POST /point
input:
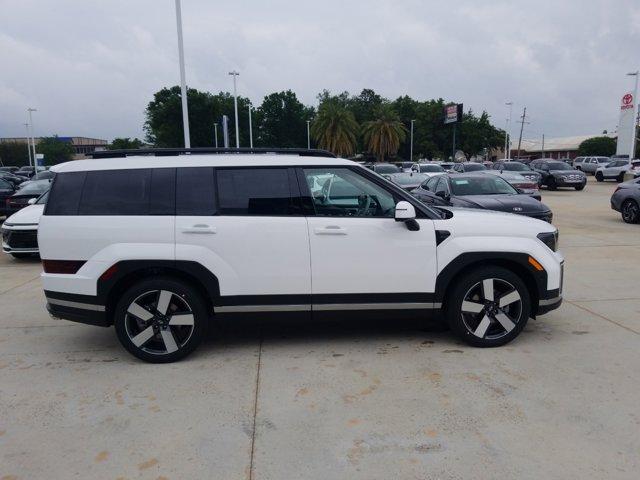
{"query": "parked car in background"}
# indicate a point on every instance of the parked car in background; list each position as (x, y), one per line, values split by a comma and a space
(405, 166)
(591, 164)
(521, 168)
(407, 180)
(466, 167)
(448, 166)
(20, 230)
(29, 171)
(615, 170)
(626, 200)
(428, 168)
(20, 198)
(480, 190)
(15, 180)
(7, 189)
(557, 174)
(9, 169)
(383, 168)
(577, 162)
(522, 184)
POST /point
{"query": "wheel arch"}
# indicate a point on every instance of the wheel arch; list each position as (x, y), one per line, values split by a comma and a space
(122, 275)
(518, 263)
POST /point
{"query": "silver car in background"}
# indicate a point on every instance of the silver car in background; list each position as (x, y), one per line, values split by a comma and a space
(616, 169)
(591, 164)
(626, 200)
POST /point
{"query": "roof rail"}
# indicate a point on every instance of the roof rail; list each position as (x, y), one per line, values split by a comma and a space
(163, 152)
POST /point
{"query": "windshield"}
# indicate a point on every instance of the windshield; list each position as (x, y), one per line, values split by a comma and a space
(35, 187)
(408, 178)
(559, 166)
(515, 167)
(386, 169)
(481, 185)
(431, 168)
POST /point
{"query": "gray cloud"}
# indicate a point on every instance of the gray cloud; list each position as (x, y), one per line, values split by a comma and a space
(90, 67)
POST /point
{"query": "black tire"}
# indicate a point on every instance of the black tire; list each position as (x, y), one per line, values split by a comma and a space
(579, 187)
(620, 178)
(630, 211)
(551, 183)
(153, 343)
(485, 327)
(599, 177)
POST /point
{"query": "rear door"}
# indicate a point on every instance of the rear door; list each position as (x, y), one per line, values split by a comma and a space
(361, 258)
(246, 226)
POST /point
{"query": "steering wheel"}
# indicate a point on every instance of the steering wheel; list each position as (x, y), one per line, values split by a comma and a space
(364, 203)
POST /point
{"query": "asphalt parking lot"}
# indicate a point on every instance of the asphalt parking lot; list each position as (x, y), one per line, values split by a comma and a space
(357, 401)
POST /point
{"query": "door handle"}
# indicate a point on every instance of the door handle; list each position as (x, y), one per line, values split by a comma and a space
(200, 228)
(330, 230)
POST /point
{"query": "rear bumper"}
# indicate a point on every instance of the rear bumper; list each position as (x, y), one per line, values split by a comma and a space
(76, 308)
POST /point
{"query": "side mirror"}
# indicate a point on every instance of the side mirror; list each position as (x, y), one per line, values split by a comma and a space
(405, 212)
(32, 201)
(442, 195)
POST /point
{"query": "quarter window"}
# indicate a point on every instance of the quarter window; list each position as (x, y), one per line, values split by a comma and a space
(65, 194)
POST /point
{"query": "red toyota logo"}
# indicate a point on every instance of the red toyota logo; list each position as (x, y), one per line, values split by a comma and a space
(627, 99)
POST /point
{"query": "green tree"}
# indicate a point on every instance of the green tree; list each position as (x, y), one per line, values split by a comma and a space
(335, 129)
(477, 133)
(54, 150)
(125, 144)
(163, 125)
(598, 146)
(383, 135)
(14, 154)
(281, 121)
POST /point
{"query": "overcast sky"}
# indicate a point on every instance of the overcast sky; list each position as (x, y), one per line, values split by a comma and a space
(91, 66)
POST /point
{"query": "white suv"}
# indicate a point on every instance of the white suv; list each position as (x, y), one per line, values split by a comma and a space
(158, 244)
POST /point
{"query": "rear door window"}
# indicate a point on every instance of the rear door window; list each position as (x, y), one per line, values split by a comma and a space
(196, 194)
(116, 192)
(254, 191)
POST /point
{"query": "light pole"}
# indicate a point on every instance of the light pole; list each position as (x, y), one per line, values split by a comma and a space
(411, 147)
(250, 128)
(33, 137)
(632, 154)
(28, 142)
(183, 84)
(235, 106)
(507, 132)
(308, 136)
(215, 133)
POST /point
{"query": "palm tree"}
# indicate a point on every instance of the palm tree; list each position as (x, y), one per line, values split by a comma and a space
(335, 129)
(384, 135)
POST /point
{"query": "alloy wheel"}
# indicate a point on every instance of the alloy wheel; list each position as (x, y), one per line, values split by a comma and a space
(491, 308)
(159, 322)
(630, 211)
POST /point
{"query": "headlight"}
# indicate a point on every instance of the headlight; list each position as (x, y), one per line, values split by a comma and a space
(550, 239)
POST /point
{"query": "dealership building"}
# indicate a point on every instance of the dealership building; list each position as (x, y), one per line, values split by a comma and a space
(82, 146)
(558, 148)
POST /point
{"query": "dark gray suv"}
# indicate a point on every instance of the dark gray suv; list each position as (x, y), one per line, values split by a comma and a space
(626, 200)
(556, 173)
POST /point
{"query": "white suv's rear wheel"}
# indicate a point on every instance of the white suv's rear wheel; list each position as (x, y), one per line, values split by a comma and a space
(488, 307)
(160, 320)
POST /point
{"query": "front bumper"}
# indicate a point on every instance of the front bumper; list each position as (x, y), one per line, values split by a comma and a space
(571, 182)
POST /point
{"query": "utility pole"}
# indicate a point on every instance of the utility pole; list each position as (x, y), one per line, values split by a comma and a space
(215, 133)
(507, 132)
(453, 154)
(308, 136)
(33, 137)
(411, 148)
(183, 82)
(250, 129)
(28, 142)
(235, 106)
(522, 122)
(543, 145)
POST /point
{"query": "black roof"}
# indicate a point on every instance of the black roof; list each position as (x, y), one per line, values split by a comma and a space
(163, 152)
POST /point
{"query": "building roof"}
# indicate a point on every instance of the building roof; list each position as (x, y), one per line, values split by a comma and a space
(561, 144)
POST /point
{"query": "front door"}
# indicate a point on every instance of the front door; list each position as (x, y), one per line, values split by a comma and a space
(361, 258)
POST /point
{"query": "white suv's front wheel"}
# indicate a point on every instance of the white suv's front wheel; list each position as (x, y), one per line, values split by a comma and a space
(160, 320)
(488, 307)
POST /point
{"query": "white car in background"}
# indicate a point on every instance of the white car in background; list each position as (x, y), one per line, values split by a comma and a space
(616, 169)
(20, 230)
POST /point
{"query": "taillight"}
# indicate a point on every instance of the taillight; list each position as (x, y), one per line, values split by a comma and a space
(62, 266)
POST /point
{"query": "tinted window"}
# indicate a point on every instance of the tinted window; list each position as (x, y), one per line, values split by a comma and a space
(386, 169)
(196, 195)
(65, 194)
(442, 186)
(431, 168)
(254, 191)
(481, 185)
(4, 185)
(558, 166)
(162, 198)
(474, 167)
(116, 192)
(515, 167)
